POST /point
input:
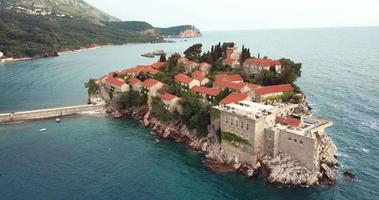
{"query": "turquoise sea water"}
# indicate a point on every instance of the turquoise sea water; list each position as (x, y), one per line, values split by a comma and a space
(93, 157)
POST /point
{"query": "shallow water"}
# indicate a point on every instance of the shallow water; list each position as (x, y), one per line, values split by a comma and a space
(93, 157)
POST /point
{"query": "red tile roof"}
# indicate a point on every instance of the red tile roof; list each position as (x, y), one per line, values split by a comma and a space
(263, 62)
(253, 86)
(158, 65)
(115, 81)
(288, 121)
(227, 84)
(228, 61)
(183, 78)
(150, 83)
(134, 81)
(168, 97)
(140, 68)
(274, 89)
(229, 77)
(198, 73)
(234, 97)
(206, 90)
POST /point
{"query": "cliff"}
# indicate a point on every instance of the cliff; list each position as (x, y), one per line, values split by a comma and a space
(281, 170)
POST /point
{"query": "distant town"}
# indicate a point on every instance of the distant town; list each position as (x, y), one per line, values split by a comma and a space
(247, 110)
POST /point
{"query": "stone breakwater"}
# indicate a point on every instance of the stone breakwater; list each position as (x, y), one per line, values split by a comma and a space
(47, 113)
(281, 170)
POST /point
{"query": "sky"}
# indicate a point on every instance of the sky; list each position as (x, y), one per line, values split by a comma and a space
(210, 15)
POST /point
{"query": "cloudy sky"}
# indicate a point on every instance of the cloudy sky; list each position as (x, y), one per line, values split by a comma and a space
(245, 14)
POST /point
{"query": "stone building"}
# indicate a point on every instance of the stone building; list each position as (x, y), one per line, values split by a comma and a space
(250, 131)
(135, 84)
(231, 62)
(170, 101)
(185, 83)
(151, 87)
(115, 84)
(256, 65)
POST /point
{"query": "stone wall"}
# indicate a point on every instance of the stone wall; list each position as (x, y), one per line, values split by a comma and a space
(47, 113)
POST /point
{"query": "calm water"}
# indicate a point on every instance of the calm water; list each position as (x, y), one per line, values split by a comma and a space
(93, 157)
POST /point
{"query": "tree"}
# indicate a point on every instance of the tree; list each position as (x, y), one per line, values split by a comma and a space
(159, 111)
(194, 52)
(222, 95)
(163, 58)
(245, 54)
(92, 87)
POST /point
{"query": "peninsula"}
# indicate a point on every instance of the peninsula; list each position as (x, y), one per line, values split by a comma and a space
(245, 113)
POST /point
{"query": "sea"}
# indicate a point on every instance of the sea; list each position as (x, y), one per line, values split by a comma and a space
(97, 157)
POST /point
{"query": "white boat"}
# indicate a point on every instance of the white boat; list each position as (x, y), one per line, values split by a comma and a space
(58, 120)
(43, 130)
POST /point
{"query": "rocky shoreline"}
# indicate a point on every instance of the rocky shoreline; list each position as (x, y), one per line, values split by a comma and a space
(281, 170)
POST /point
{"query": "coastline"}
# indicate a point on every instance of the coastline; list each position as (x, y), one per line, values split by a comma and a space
(216, 160)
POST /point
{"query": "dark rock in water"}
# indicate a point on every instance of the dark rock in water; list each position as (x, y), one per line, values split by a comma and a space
(349, 175)
(218, 167)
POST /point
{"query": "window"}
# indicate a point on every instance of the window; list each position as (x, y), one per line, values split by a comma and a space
(247, 126)
(241, 124)
(237, 123)
(227, 120)
(295, 140)
(289, 138)
(301, 142)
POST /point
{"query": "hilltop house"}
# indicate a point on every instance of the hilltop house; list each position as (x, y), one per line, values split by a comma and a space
(231, 62)
(186, 83)
(200, 76)
(234, 78)
(232, 53)
(151, 87)
(256, 65)
(135, 84)
(189, 66)
(208, 95)
(133, 72)
(205, 67)
(272, 93)
(231, 86)
(170, 101)
(116, 84)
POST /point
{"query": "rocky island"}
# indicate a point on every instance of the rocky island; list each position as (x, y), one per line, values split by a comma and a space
(244, 113)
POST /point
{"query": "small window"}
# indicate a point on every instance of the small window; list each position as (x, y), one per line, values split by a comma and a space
(295, 140)
(227, 120)
(289, 138)
(301, 142)
(247, 126)
(241, 124)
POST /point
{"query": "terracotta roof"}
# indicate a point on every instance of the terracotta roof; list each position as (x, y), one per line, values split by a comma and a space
(168, 97)
(234, 97)
(206, 90)
(198, 73)
(183, 78)
(263, 62)
(227, 84)
(228, 61)
(190, 62)
(150, 83)
(288, 121)
(253, 86)
(274, 89)
(134, 81)
(115, 81)
(158, 65)
(140, 68)
(229, 77)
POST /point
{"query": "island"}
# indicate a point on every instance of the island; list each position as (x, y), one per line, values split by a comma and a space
(244, 113)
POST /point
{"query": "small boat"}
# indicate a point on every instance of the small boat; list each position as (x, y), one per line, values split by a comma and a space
(43, 130)
(157, 141)
(148, 55)
(58, 120)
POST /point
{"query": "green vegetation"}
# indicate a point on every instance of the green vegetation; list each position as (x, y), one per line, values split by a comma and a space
(131, 98)
(27, 36)
(133, 26)
(175, 30)
(234, 139)
(194, 52)
(159, 111)
(91, 87)
(195, 114)
(215, 114)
